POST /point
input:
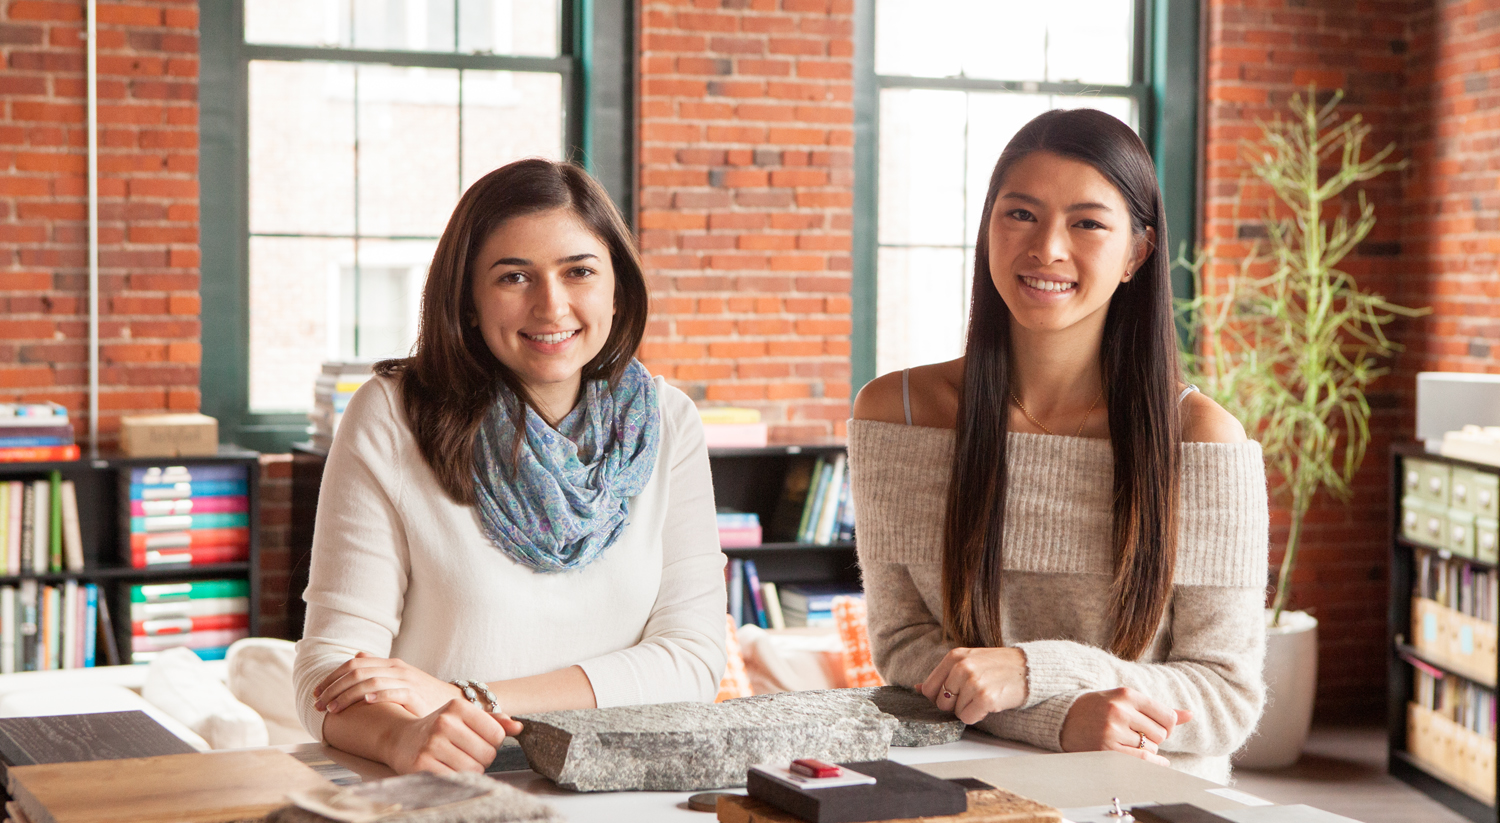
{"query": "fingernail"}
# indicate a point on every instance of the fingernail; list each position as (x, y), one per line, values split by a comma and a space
(318, 705)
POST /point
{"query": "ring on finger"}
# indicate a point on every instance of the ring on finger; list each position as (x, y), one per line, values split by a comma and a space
(947, 694)
(1142, 743)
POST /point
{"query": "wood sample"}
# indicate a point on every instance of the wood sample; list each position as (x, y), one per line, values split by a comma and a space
(208, 787)
(985, 806)
(27, 741)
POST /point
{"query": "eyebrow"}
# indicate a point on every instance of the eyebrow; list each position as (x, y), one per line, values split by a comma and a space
(1026, 198)
(521, 261)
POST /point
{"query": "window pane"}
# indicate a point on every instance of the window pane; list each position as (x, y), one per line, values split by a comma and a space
(507, 116)
(1081, 40)
(993, 120)
(408, 149)
(922, 166)
(523, 27)
(921, 305)
(380, 301)
(301, 147)
(293, 286)
(297, 22)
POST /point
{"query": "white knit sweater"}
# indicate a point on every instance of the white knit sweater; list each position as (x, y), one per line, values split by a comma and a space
(400, 570)
(1058, 561)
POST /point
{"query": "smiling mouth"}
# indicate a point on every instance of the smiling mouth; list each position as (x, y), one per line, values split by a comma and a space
(554, 337)
(1047, 285)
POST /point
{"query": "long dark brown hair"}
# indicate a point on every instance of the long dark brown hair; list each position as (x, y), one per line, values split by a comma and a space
(452, 378)
(1139, 362)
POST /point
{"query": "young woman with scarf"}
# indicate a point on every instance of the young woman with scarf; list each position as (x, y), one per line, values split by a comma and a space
(1060, 541)
(518, 517)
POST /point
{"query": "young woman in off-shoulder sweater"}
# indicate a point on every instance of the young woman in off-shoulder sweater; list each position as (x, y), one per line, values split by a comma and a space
(1061, 542)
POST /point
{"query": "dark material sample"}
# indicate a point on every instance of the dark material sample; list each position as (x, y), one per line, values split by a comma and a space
(899, 792)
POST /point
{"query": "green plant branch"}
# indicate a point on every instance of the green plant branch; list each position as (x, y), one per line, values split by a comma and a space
(1291, 353)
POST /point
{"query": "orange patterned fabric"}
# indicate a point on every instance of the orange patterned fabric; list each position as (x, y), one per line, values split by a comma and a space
(859, 665)
(735, 683)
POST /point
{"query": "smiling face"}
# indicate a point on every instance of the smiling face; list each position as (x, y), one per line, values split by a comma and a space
(544, 290)
(1060, 243)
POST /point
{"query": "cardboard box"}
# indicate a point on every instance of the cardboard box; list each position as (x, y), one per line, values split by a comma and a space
(169, 435)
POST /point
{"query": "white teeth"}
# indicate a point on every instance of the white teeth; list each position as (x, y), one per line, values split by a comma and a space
(1047, 285)
(556, 337)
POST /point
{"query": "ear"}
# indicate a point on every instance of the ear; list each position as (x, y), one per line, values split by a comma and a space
(1143, 248)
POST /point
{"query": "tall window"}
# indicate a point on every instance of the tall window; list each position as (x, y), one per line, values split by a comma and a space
(360, 123)
(947, 84)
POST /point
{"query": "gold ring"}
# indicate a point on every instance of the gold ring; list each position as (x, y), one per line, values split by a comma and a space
(947, 694)
(1142, 744)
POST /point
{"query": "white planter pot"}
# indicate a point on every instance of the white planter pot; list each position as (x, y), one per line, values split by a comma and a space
(1291, 684)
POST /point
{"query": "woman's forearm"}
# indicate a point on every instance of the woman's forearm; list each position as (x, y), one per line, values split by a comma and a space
(366, 729)
(556, 690)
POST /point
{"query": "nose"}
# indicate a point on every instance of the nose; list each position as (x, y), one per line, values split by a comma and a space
(1049, 242)
(551, 299)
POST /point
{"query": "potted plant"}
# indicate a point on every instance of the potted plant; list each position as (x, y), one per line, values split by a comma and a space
(1288, 346)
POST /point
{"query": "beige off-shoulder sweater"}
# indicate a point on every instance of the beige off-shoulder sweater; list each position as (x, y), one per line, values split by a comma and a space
(1208, 652)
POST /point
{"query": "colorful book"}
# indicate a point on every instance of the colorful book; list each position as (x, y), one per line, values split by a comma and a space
(180, 522)
(39, 454)
(28, 528)
(72, 534)
(27, 595)
(168, 592)
(736, 586)
(90, 625)
(773, 605)
(184, 625)
(752, 583)
(8, 441)
(810, 500)
(171, 475)
(41, 498)
(194, 539)
(17, 505)
(184, 490)
(222, 504)
(33, 414)
(4, 527)
(828, 508)
(54, 522)
(143, 658)
(205, 556)
(196, 607)
(815, 597)
(68, 626)
(191, 640)
(7, 629)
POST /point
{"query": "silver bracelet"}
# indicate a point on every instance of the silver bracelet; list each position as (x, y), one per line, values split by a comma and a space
(473, 690)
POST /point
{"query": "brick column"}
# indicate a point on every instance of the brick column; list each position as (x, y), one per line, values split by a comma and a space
(746, 175)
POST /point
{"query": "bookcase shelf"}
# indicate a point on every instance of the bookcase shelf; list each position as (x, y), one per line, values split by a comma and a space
(1459, 764)
(105, 538)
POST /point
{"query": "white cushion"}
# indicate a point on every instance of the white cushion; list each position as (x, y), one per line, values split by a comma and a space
(105, 697)
(792, 660)
(179, 684)
(260, 674)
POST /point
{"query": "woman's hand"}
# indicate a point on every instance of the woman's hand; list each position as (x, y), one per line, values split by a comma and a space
(370, 679)
(458, 737)
(972, 683)
(1122, 720)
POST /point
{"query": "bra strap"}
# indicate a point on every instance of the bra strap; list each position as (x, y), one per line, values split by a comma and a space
(906, 394)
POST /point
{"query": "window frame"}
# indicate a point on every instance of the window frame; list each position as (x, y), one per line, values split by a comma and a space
(597, 71)
(1166, 65)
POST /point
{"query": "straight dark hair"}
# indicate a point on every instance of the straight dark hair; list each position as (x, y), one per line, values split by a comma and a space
(1140, 366)
(452, 378)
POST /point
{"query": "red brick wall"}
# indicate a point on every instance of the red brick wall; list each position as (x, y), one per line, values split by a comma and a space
(746, 189)
(148, 209)
(1415, 73)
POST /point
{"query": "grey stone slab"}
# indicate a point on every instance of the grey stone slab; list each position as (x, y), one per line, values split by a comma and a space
(922, 724)
(695, 746)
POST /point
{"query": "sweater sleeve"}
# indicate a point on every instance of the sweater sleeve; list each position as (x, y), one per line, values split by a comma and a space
(1216, 629)
(682, 650)
(357, 580)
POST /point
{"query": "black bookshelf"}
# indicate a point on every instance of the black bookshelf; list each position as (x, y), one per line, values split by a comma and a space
(106, 544)
(1426, 776)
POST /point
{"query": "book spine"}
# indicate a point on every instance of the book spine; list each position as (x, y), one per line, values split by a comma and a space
(54, 523)
(829, 508)
(17, 507)
(90, 625)
(183, 625)
(223, 504)
(7, 629)
(72, 534)
(192, 640)
(157, 475)
(39, 454)
(166, 592)
(773, 605)
(190, 539)
(199, 607)
(807, 502)
(4, 527)
(69, 623)
(207, 556)
(28, 527)
(41, 535)
(736, 586)
(185, 490)
(32, 441)
(28, 627)
(752, 583)
(107, 632)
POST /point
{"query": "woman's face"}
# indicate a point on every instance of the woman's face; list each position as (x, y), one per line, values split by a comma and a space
(544, 289)
(1060, 243)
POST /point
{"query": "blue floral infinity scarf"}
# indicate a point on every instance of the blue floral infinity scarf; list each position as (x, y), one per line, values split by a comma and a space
(568, 497)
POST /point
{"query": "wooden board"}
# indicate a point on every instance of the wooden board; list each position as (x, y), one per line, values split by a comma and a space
(1077, 779)
(26, 741)
(211, 787)
(985, 806)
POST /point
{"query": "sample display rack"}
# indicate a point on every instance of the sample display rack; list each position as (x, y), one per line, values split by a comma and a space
(1443, 634)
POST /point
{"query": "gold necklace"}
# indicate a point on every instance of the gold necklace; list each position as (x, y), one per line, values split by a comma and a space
(1038, 423)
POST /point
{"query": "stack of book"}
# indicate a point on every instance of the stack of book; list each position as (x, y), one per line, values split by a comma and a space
(39, 531)
(204, 615)
(195, 515)
(750, 600)
(725, 427)
(816, 506)
(46, 627)
(334, 387)
(35, 433)
(811, 604)
(738, 530)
